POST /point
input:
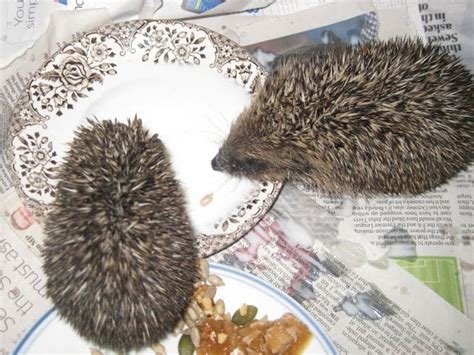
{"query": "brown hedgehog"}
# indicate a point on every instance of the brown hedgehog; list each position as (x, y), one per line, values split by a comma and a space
(392, 117)
(119, 254)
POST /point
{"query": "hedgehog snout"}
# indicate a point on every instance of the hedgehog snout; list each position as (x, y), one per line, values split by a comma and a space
(223, 162)
(216, 163)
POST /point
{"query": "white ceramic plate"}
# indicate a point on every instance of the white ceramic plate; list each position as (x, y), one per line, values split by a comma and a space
(185, 82)
(51, 335)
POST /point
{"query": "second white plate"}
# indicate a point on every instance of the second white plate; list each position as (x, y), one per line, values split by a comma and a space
(51, 335)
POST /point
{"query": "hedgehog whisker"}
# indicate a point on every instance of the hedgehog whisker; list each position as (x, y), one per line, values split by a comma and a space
(221, 133)
(227, 123)
(226, 180)
(217, 130)
(237, 180)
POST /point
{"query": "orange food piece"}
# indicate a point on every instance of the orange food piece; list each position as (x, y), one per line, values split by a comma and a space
(286, 335)
(278, 339)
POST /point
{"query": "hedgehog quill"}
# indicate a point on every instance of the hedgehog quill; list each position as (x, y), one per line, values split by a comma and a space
(119, 252)
(393, 117)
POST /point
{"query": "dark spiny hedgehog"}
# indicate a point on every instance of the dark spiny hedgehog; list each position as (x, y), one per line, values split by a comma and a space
(119, 254)
(392, 117)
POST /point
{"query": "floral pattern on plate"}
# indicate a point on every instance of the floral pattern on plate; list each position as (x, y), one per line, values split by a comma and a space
(72, 74)
(162, 42)
(76, 70)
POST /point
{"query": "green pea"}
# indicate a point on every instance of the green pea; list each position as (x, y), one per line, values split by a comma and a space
(240, 319)
(185, 345)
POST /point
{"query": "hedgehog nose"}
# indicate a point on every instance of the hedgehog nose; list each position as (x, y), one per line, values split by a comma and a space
(215, 163)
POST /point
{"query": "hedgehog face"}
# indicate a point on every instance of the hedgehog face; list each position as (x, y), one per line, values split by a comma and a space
(248, 163)
(255, 153)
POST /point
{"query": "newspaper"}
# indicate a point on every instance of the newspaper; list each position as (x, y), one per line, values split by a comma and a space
(22, 22)
(431, 236)
(368, 307)
(330, 255)
(450, 25)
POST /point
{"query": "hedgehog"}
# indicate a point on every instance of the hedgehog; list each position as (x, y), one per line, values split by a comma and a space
(119, 253)
(388, 117)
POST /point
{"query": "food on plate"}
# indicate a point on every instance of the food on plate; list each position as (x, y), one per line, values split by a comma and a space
(208, 330)
(244, 314)
(286, 335)
(206, 200)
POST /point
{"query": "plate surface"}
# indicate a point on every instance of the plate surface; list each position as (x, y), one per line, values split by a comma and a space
(51, 335)
(185, 82)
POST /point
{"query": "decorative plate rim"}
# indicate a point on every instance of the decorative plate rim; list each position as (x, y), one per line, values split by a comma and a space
(27, 113)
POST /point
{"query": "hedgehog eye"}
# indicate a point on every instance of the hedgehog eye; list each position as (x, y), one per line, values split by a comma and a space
(254, 164)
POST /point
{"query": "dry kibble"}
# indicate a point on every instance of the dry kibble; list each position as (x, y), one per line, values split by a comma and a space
(95, 352)
(191, 313)
(206, 200)
(204, 267)
(188, 321)
(215, 280)
(220, 307)
(207, 304)
(196, 307)
(202, 318)
(203, 307)
(221, 338)
(195, 336)
(179, 328)
(210, 292)
(198, 294)
(197, 284)
(158, 349)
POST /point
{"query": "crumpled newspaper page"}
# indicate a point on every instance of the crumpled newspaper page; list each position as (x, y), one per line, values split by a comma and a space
(22, 22)
(362, 298)
(344, 260)
(451, 26)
